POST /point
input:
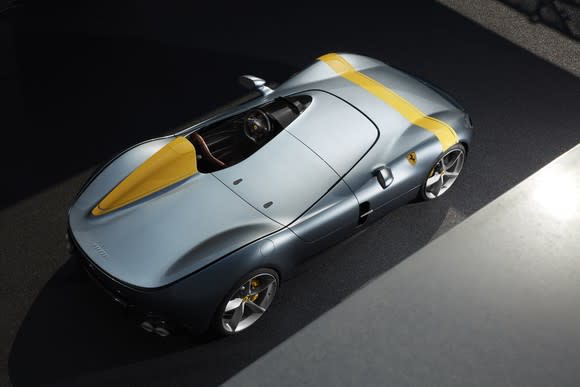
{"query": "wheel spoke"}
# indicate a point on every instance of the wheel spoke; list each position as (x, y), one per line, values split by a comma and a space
(264, 284)
(443, 165)
(236, 317)
(452, 174)
(436, 187)
(255, 307)
(452, 163)
(233, 304)
(432, 180)
(447, 179)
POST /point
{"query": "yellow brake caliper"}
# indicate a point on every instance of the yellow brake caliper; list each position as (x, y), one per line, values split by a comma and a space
(255, 283)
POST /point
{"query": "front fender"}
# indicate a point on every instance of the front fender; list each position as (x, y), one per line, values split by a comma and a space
(194, 299)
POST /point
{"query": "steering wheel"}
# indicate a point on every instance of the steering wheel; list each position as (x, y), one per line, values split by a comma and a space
(257, 125)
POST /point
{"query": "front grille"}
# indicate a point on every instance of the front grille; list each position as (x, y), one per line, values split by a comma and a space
(109, 285)
(103, 282)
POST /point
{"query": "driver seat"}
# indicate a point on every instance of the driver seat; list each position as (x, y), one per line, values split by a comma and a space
(206, 152)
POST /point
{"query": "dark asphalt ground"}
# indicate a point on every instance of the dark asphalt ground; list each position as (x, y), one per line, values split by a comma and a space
(81, 83)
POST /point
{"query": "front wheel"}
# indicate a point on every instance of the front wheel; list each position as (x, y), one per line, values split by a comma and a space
(247, 302)
(444, 173)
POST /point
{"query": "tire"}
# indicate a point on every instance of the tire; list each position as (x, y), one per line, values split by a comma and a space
(444, 173)
(246, 302)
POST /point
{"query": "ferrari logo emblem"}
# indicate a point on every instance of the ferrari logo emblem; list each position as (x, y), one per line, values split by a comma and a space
(412, 158)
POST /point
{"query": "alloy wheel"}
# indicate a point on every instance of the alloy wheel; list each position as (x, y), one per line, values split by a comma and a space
(249, 302)
(444, 173)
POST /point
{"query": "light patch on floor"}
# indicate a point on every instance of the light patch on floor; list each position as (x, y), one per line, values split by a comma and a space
(452, 219)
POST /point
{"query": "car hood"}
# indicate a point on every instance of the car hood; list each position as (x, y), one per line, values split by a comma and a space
(167, 235)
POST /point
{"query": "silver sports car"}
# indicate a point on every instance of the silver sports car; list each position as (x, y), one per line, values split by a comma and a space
(198, 228)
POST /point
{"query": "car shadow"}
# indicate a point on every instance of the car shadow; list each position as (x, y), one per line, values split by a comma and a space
(82, 98)
(74, 334)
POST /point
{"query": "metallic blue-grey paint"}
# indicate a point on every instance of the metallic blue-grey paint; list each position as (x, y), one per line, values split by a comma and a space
(189, 244)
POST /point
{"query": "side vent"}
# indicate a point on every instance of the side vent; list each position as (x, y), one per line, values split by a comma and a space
(364, 210)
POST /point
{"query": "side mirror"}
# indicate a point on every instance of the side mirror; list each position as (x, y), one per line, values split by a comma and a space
(251, 82)
(384, 176)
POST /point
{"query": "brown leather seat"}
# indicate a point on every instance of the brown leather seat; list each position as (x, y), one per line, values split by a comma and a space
(205, 150)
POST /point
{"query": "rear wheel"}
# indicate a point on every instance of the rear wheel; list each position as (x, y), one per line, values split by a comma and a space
(247, 302)
(444, 173)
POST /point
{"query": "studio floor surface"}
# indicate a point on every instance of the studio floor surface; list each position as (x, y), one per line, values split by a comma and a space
(82, 83)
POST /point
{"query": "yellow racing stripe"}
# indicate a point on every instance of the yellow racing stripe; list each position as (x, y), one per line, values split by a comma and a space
(174, 162)
(444, 132)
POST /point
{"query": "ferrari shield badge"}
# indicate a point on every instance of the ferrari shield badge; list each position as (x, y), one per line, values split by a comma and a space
(412, 158)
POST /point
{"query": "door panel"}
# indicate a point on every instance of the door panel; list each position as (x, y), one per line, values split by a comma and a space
(336, 213)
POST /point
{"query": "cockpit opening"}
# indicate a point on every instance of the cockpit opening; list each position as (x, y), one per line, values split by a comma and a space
(227, 142)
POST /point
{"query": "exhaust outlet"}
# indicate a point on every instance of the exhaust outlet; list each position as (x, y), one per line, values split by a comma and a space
(147, 326)
(162, 331)
(157, 327)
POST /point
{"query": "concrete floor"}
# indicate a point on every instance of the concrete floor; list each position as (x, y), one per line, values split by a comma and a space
(493, 302)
